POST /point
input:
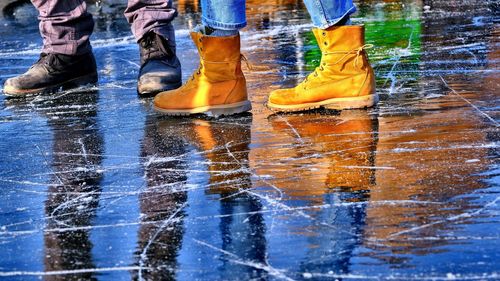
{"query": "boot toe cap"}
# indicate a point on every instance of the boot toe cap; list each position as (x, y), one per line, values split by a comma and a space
(157, 77)
(12, 85)
(163, 100)
(152, 83)
(281, 96)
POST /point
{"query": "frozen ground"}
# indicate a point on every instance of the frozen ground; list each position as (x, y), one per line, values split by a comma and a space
(95, 185)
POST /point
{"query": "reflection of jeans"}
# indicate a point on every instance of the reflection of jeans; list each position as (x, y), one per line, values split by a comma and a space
(230, 14)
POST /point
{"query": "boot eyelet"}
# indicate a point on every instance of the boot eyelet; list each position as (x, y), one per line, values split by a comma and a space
(325, 43)
(201, 39)
(201, 48)
(324, 33)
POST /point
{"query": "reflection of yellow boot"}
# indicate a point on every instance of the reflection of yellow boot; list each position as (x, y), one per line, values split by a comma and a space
(343, 80)
(217, 88)
(346, 144)
(225, 148)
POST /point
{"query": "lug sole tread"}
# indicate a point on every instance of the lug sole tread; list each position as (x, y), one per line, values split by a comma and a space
(214, 110)
(81, 81)
(335, 104)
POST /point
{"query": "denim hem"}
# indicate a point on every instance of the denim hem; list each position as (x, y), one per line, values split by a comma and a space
(330, 23)
(221, 25)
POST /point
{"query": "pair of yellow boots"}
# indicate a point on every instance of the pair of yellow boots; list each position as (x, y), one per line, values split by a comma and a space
(343, 80)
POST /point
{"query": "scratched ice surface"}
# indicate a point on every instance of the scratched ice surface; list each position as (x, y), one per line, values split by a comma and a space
(94, 185)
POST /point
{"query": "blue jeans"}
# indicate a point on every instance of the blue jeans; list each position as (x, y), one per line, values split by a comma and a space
(230, 14)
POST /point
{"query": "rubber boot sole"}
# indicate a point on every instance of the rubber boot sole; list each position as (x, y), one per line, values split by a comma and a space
(90, 79)
(335, 104)
(154, 92)
(212, 110)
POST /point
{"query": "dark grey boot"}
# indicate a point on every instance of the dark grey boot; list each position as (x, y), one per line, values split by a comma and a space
(53, 72)
(160, 67)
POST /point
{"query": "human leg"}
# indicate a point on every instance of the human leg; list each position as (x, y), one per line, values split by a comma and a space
(151, 25)
(66, 60)
(344, 78)
(327, 13)
(151, 15)
(218, 87)
(223, 14)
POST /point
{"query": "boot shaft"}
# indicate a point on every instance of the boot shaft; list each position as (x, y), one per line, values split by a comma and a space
(220, 57)
(220, 49)
(343, 51)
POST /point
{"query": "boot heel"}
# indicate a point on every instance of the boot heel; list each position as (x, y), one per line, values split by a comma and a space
(230, 109)
(352, 103)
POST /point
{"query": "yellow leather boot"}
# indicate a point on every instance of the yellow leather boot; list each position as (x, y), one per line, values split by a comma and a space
(217, 88)
(343, 80)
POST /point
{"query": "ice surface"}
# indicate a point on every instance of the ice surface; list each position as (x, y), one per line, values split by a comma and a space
(95, 185)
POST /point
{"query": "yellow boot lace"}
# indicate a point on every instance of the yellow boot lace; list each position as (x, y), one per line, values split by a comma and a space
(321, 67)
(198, 72)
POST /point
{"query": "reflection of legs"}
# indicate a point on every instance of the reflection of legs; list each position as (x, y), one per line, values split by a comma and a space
(243, 233)
(219, 86)
(66, 59)
(73, 197)
(347, 145)
(226, 147)
(344, 78)
(160, 234)
(159, 243)
(71, 249)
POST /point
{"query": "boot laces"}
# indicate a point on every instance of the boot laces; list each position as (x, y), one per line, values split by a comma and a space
(357, 51)
(153, 47)
(193, 76)
(198, 72)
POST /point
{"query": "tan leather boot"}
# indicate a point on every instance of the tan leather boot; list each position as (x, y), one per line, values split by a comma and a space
(343, 80)
(217, 88)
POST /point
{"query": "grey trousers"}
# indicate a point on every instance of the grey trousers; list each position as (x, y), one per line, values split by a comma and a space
(65, 25)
